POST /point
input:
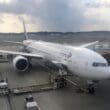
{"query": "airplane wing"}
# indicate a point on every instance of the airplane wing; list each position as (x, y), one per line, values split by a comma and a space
(32, 55)
(90, 45)
(57, 64)
(13, 53)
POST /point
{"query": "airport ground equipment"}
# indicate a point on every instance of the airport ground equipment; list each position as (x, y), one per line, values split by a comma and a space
(57, 80)
(32, 89)
(4, 87)
(31, 104)
(57, 83)
(62, 78)
(3, 84)
(4, 90)
(60, 82)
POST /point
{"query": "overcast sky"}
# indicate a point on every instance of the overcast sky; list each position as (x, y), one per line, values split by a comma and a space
(55, 15)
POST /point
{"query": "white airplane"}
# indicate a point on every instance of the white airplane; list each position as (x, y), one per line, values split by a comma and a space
(80, 61)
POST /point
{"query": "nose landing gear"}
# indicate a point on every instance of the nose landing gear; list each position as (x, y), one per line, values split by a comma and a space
(91, 86)
(91, 89)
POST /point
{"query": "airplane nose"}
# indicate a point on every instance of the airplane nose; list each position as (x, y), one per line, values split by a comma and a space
(103, 73)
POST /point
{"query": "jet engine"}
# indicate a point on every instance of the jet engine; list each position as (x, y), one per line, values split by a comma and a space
(20, 63)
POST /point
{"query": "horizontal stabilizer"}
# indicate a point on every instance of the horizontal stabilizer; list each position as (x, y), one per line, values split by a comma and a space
(13, 42)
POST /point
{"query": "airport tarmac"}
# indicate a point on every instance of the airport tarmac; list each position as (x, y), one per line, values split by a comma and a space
(61, 99)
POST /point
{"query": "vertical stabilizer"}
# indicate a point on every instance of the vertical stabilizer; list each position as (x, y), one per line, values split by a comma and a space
(25, 32)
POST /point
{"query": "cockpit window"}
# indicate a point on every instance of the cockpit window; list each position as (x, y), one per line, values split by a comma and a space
(96, 64)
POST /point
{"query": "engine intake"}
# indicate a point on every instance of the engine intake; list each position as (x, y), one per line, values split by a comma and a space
(20, 63)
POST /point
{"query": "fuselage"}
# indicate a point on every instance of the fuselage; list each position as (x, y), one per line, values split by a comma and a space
(80, 61)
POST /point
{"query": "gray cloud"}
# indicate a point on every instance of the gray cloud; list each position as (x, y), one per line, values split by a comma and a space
(54, 15)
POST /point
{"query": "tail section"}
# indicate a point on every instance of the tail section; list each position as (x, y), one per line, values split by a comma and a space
(25, 32)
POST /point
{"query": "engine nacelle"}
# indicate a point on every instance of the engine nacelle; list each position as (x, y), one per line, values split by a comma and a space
(20, 63)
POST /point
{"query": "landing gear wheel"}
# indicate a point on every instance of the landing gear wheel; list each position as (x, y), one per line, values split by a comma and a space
(30, 66)
(91, 89)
